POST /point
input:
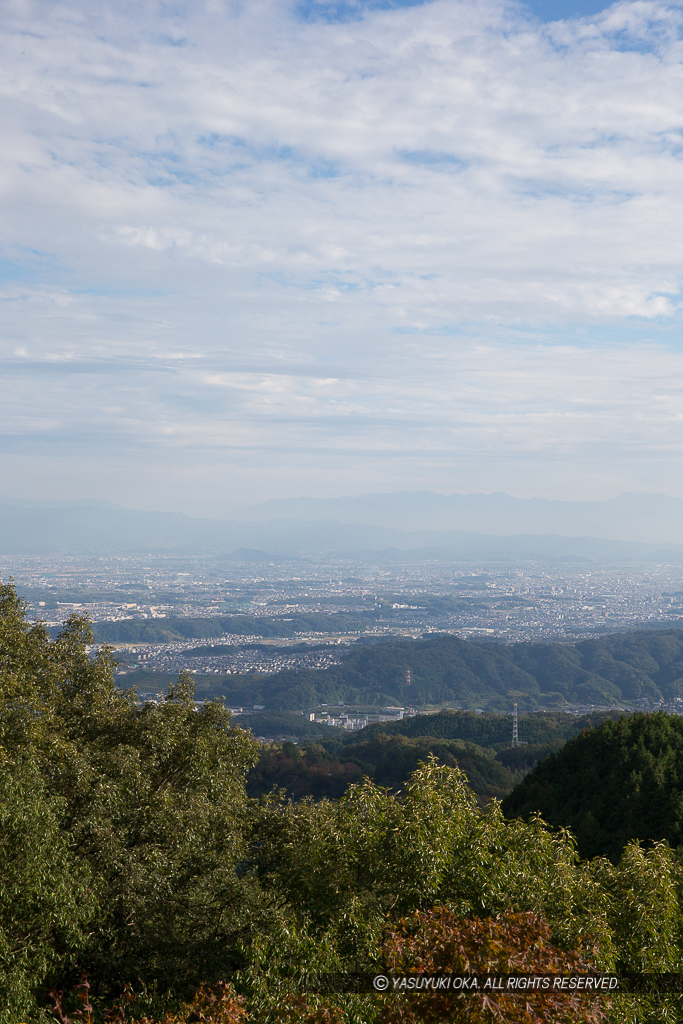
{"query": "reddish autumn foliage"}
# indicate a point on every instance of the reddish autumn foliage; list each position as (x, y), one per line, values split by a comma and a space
(216, 1004)
(438, 942)
(298, 1009)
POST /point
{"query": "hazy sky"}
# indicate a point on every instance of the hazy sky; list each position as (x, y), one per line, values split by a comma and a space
(262, 249)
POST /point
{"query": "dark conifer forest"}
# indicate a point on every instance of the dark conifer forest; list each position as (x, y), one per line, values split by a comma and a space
(609, 785)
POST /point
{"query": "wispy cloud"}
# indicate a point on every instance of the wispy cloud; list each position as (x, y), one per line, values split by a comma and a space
(342, 235)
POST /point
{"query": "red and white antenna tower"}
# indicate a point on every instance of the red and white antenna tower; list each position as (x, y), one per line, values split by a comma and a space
(408, 680)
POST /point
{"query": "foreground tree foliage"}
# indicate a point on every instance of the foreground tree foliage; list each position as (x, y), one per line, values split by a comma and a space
(438, 942)
(132, 820)
(217, 1004)
(46, 903)
(135, 869)
(388, 760)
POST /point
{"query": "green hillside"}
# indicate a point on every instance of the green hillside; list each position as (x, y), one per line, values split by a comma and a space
(285, 725)
(177, 627)
(623, 667)
(388, 752)
(488, 730)
(621, 781)
(319, 770)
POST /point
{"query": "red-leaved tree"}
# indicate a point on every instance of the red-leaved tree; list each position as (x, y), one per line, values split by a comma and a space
(438, 942)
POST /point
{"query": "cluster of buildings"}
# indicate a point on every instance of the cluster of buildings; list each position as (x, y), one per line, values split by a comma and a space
(507, 602)
(513, 601)
(178, 657)
(352, 721)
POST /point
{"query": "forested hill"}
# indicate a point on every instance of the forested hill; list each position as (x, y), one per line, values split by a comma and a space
(623, 667)
(182, 627)
(491, 731)
(619, 782)
(138, 882)
(388, 752)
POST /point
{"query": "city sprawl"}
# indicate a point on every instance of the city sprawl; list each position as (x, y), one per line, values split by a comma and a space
(268, 616)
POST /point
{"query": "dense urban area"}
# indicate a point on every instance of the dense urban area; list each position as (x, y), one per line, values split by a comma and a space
(226, 617)
(526, 601)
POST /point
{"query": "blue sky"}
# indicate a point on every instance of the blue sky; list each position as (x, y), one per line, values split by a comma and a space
(265, 249)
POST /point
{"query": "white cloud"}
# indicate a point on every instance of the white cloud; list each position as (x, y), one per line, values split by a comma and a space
(404, 205)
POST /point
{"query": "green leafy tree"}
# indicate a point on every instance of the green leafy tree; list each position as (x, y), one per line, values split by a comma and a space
(46, 903)
(150, 802)
(373, 853)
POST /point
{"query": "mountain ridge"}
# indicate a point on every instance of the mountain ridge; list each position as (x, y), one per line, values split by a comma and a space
(103, 529)
(640, 517)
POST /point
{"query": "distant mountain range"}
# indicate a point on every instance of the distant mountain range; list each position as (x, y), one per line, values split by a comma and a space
(644, 518)
(100, 528)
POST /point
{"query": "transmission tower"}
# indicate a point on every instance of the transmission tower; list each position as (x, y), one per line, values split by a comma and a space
(408, 680)
(515, 730)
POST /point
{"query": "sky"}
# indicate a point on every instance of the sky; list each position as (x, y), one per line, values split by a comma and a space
(265, 249)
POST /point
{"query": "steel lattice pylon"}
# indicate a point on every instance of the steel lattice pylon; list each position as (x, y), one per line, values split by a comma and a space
(515, 730)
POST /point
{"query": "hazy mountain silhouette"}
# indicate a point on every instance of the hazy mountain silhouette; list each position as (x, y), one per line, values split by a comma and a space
(646, 518)
(96, 530)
